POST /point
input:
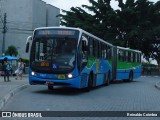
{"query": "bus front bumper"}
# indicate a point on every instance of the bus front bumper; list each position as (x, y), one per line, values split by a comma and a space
(73, 82)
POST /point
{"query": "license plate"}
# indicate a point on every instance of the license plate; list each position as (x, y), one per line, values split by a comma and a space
(49, 83)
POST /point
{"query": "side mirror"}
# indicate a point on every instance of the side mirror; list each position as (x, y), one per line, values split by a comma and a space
(27, 43)
(27, 47)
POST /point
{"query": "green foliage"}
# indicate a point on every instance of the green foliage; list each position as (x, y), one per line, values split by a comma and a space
(26, 61)
(12, 50)
(135, 25)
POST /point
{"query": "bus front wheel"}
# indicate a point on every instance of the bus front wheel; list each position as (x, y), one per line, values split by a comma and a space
(50, 87)
(90, 83)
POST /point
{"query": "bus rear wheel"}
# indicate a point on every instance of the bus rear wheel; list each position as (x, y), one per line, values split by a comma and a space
(108, 79)
(131, 76)
(50, 87)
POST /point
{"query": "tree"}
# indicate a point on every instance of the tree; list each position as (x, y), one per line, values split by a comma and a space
(135, 25)
(12, 50)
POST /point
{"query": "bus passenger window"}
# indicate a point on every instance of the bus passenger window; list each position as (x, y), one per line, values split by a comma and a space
(96, 49)
(90, 47)
(103, 51)
(100, 50)
(136, 60)
(131, 56)
(126, 57)
(109, 52)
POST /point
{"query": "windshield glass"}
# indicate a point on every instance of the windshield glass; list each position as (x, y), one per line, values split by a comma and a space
(53, 54)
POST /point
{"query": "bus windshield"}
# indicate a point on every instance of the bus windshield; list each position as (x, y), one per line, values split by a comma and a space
(53, 54)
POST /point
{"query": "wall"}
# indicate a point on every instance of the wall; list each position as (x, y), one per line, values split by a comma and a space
(23, 16)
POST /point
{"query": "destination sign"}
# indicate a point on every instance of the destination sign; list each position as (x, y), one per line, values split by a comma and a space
(55, 32)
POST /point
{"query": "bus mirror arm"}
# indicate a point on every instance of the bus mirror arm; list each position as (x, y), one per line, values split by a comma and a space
(27, 47)
(27, 43)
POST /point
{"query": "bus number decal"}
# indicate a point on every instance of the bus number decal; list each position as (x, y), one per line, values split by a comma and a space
(44, 64)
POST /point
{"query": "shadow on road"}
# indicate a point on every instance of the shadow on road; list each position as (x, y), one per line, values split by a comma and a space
(72, 91)
(123, 82)
(61, 91)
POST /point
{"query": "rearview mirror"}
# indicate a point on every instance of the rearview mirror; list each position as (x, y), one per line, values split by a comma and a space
(27, 47)
(27, 43)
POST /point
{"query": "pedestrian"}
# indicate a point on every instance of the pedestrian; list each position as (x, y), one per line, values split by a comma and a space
(7, 69)
(19, 70)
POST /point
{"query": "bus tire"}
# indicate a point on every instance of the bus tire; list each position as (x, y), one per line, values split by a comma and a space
(108, 79)
(131, 76)
(90, 83)
(50, 87)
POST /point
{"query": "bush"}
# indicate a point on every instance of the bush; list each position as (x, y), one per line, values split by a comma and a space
(26, 61)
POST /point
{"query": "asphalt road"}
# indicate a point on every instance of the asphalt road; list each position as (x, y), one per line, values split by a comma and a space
(139, 95)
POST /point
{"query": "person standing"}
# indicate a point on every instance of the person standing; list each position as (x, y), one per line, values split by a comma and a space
(7, 69)
(20, 68)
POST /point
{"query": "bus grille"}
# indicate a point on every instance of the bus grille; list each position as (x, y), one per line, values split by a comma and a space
(84, 80)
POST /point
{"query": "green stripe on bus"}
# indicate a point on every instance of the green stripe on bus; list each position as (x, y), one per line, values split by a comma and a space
(126, 65)
(91, 61)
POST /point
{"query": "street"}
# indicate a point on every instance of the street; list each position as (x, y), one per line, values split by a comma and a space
(139, 95)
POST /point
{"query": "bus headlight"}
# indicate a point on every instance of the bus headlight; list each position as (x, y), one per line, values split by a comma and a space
(33, 73)
(70, 75)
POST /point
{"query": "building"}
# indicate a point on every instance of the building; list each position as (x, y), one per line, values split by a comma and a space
(22, 17)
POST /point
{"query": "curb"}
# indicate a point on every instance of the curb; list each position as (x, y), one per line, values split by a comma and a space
(5, 99)
(157, 86)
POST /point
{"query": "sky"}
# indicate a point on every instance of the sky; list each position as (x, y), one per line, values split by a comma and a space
(67, 4)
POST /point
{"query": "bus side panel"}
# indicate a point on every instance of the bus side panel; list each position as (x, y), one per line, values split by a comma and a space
(99, 68)
(104, 68)
(137, 72)
(124, 73)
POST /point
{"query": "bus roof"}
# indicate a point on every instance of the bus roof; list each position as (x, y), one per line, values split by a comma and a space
(128, 49)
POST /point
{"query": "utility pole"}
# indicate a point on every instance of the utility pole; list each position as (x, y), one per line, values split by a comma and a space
(4, 32)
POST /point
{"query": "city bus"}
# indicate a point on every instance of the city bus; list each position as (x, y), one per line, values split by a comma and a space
(72, 57)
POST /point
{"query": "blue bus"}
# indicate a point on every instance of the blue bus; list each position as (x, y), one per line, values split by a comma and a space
(72, 57)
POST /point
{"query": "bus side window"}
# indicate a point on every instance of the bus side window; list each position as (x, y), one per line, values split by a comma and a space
(129, 56)
(100, 50)
(108, 52)
(96, 49)
(136, 60)
(134, 56)
(139, 58)
(91, 47)
(94, 46)
(126, 57)
(103, 51)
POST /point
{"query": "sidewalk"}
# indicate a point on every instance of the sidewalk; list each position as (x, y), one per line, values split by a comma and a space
(9, 89)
